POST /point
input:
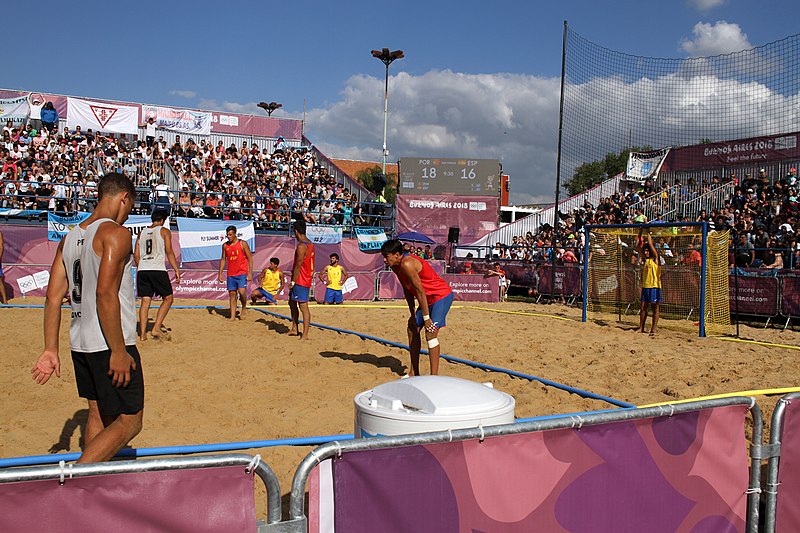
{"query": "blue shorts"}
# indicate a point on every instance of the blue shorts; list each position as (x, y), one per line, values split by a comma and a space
(438, 311)
(1, 271)
(299, 294)
(237, 282)
(267, 295)
(652, 296)
(333, 296)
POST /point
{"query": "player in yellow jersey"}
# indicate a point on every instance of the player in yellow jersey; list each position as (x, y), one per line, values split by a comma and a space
(333, 275)
(651, 281)
(270, 282)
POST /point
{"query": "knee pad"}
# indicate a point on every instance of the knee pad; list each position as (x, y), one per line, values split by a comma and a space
(433, 343)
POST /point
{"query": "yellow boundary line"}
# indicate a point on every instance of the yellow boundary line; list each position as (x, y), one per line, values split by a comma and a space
(760, 343)
(518, 313)
(761, 392)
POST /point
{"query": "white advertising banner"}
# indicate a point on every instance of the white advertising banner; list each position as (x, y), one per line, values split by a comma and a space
(179, 120)
(644, 165)
(14, 109)
(201, 240)
(324, 234)
(112, 118)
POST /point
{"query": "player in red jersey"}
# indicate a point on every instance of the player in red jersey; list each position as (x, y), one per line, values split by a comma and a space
(236, 254)
(434, 295)
(302, 274)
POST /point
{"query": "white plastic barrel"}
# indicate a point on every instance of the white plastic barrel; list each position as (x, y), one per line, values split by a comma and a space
(429, 403)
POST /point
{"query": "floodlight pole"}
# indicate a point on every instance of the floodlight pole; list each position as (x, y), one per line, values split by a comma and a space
(387, 58)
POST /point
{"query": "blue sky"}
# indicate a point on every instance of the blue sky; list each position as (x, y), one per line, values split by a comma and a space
(467, 64)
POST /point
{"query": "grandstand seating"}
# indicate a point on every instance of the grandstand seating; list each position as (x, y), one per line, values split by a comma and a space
(264, 179)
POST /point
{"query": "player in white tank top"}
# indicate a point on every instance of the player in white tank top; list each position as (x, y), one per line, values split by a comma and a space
(92, 338)
(151, 250)
(153, 247)
(71, 258)
(110, 377)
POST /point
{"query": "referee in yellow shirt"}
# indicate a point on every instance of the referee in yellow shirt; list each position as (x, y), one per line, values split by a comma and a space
(333, 275)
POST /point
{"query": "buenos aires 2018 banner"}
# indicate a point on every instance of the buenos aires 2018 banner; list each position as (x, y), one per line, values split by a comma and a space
(434, 215)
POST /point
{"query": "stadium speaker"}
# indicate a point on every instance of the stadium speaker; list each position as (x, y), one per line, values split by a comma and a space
(452, 235)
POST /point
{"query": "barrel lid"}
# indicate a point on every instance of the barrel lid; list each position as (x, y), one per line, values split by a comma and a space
(437, 395)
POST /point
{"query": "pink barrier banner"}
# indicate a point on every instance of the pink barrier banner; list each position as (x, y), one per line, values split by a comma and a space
(466, 287)
(364, 291)
(206, 500)
(26, 280)
(389, 287)
(755, 151)
(434, 215)
(568, 280)
(790, 296)
(686, 473)
(757, 295)
(787, 517)
(472, 288)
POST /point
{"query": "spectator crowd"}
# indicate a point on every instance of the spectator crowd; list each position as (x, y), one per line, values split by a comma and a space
(47, 169)
(763, 215)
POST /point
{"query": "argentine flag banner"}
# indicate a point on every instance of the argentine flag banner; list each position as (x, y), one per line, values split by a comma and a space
(58, 226)
(201, 239)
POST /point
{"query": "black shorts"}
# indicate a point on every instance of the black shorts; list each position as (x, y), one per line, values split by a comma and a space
(94, 383)
(152, 282)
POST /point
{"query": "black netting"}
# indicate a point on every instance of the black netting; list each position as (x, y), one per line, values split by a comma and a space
(614, 100)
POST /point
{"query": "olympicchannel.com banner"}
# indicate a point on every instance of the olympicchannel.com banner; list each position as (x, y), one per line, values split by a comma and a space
(201, 240)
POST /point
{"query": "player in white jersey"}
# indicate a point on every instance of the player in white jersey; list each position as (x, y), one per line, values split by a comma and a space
(153, 247)
(107, 367)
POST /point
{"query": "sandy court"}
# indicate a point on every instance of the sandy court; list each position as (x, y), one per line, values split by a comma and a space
(216, 381)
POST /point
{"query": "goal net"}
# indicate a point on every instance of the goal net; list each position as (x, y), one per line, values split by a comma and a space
(693, 271)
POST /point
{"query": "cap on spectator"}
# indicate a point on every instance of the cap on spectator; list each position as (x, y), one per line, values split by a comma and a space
(793, 169)
(74, 173)
(762, 170)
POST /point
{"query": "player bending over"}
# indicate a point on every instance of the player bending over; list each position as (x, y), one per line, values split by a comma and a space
(434, 295)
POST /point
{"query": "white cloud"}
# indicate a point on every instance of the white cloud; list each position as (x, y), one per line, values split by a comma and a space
(706, 5)
(514, 118)
(509, 117)
(721, 38)
(183, 94)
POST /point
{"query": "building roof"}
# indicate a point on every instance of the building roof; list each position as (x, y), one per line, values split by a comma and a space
(351, 167)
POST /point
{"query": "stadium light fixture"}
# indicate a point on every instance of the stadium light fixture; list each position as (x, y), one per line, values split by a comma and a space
(387, 58)
(269, 107)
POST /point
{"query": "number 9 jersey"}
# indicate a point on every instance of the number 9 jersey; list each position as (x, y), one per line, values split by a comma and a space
(71, 257)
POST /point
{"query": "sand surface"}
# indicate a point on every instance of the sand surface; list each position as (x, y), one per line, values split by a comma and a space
(216, 381)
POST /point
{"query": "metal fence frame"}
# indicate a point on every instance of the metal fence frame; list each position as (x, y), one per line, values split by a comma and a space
(773, 452)
(57, 472)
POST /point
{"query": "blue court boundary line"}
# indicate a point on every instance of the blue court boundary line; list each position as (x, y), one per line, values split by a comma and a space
(133, 453)
(301, 441)
(580, 392)
(501, 370)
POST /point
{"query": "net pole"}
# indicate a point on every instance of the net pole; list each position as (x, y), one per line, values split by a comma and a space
(703, 279)
(585, 272)
(558, 163)
(736, 279)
